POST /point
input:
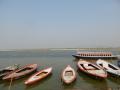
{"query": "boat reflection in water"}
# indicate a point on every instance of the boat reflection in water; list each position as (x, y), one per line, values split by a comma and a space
(92, 83)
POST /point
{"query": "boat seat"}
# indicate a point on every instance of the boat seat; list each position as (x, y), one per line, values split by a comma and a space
(88, 67)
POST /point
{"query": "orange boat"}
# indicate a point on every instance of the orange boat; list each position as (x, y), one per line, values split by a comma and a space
(38, 76)
(21, 72)
(68, 75)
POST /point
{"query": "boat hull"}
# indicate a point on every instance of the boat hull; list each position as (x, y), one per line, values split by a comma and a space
(73, 78)
(94, 57)
(35, 77)
(112, 69)
(8, 70)
(103, 76)
(20, 72)
(92, 75)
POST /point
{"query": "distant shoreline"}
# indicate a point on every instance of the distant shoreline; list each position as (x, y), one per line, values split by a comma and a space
(54, 49)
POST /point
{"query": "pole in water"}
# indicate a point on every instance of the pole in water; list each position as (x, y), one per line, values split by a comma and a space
(10, 84)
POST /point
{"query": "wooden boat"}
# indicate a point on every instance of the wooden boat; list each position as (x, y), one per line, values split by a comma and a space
(109, 67)
(21, 72)
(7, 70)
(68, 75)
(38, 76)
(91, 69)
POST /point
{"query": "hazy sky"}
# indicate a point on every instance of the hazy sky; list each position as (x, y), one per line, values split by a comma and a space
(59, 23)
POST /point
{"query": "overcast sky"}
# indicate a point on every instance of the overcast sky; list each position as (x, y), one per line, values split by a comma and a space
(29, 24)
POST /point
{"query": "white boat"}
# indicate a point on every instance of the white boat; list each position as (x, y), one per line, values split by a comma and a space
(68, 75)
(91, 69)
(109, 67)
(95, 55)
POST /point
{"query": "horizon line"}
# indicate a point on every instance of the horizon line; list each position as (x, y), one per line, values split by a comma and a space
(58, 48)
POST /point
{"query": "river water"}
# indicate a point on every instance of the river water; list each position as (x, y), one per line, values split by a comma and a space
(58, 59)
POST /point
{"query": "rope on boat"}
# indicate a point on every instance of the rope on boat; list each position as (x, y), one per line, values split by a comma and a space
(10, 83)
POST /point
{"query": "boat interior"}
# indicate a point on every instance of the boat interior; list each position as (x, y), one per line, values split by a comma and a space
(111, 66)
(68, 73)
(25, 69)
(42, 74)
(89, 67)
(4, 71)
